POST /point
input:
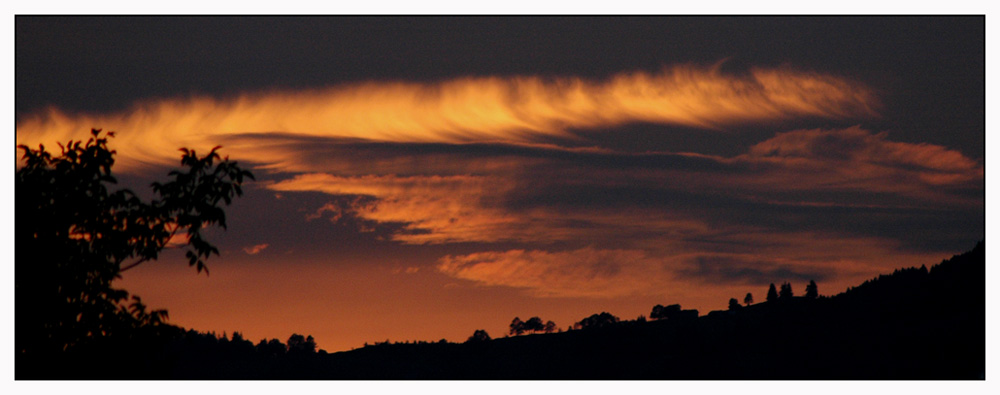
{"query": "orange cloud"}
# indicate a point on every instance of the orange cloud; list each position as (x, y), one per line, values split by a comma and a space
(586, 272)
(255, 249)
(858, 145)
(472, 208)
(436, 209)
(856, 159)
(681, 270)
(849, 167)
(552, 194)
(516, 109)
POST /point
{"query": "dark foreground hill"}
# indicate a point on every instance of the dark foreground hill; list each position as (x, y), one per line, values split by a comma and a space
(913, 324)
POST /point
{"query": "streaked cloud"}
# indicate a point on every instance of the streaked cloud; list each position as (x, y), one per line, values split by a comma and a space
(515, 109)
(859, 156)
(649, 223)
(684, 268)
(491, 193)
(406, 270)
(255, 249)
(585, 272)
(437, 209)
(471, 161)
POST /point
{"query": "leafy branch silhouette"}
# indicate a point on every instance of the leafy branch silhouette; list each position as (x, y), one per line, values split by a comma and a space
(74, 236)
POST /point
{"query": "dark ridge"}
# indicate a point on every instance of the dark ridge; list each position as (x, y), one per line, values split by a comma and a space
(913, 324)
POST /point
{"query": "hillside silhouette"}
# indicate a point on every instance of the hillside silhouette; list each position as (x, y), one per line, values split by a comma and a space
(915, 323)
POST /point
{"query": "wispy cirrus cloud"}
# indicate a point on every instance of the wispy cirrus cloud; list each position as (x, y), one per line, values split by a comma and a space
(466, 161)
(516, 109)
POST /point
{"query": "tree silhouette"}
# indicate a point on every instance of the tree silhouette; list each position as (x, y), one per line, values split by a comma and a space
(517, 326)
(272, 348)
(734, 304)
(786, 292)
(74, 236)
(772, 293)
(241, 344)
(657, 312)
(601, 320)
(534, 324)
(300, 344)
(812, 292)
(479, 335)
(661, 312)
(748, 300)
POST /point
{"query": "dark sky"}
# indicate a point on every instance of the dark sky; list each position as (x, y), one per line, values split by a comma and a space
(930, 69)
(424, 177)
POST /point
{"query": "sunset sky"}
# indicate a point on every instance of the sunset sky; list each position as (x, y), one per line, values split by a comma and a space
(421, 178)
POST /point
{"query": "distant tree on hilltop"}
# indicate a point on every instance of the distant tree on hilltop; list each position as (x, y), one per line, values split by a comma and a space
(662, 312)
(272, 348)
(533, 324)
(748, 300)
(604, 319)
(772, 293)
(517, 326)
(812, 292)
(301, 344)
(786, 292)
(479, 335)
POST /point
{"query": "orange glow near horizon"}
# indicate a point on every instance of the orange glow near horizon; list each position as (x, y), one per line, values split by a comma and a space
(347, 305)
